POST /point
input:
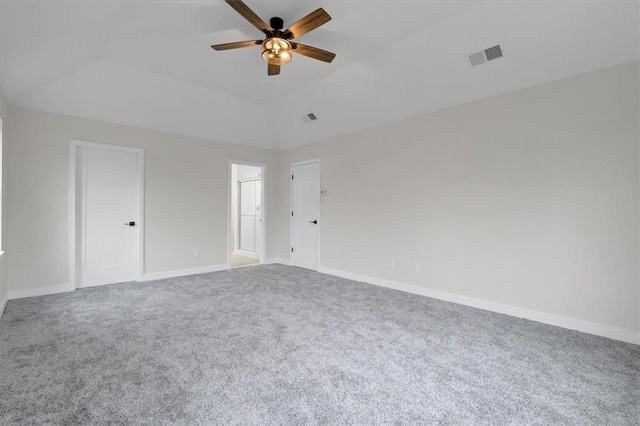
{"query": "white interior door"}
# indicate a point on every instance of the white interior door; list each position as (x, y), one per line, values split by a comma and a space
(107, 214)
(250, 216)
(258, 218)
(305, 184)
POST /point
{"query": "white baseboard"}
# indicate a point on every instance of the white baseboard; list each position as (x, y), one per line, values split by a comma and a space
(277, 260)
(40, 291)
(183, 272)
(249, 254)
(4, 291)
(543, 317)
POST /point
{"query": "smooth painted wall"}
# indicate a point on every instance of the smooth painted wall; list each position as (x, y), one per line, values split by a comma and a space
(186, 194)
(4, 291)
(529, 199)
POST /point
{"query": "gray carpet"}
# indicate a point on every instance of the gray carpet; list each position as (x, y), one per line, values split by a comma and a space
(280, 345)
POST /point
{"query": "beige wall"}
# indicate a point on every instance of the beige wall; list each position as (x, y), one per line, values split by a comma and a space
(3, 281)
(529, 199)
(5, 123)
(186, 192)
(3, 107)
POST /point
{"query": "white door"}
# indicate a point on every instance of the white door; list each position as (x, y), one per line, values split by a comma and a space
(250, 196)
(305, 214)
(258, 216)
(108, 217)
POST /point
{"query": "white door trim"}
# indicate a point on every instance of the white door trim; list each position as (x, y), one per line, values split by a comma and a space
(300, 163)
(73, 150)
(263, 212)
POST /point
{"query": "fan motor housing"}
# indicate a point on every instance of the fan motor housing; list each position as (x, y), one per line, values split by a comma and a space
(276, 23)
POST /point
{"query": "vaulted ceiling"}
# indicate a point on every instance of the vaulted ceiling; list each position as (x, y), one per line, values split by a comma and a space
(149, 64)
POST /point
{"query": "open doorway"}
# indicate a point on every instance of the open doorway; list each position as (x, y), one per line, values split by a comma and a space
(246, 215)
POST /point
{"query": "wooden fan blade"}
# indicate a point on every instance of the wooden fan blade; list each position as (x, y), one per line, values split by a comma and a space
(273, 69)
(313, 52)
(308, 23)
(236, 45)
(249, 15)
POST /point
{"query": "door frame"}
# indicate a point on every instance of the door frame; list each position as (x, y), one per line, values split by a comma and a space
(74, 146)
(319, 227)
(263, 211)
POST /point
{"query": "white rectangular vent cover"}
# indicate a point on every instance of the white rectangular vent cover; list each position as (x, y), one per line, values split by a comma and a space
(485, 55)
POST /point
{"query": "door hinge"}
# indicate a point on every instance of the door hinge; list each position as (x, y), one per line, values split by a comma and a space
(291, 213)
(291, 249)
(291, 177)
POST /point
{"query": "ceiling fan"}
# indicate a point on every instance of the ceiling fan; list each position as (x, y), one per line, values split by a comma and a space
(277, 46)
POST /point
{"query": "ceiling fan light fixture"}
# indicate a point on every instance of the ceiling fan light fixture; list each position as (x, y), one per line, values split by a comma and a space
(276, 51)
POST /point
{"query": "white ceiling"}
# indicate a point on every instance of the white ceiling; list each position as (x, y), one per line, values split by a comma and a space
(148, 63)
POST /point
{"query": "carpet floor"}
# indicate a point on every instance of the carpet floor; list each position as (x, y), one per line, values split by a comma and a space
(279, 345)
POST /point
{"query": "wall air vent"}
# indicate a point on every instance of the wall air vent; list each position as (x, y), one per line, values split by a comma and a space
(485, 55)
(310, 117)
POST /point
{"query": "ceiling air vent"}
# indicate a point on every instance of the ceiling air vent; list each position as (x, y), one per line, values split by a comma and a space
(485, 55)
(310, 117)
(494, 52)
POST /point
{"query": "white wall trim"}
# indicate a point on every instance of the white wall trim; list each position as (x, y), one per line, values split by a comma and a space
(63, 288)
(183, 272)
(543, 317)
(278, 260)
(4, 288)
(40, 291)
(73, 149)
